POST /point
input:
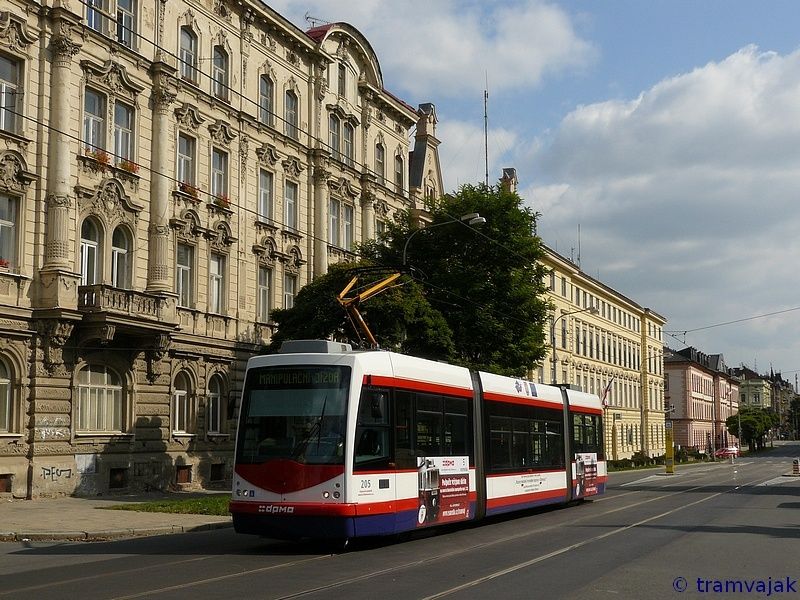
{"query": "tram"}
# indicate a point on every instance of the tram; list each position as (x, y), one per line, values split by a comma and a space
(337, 444)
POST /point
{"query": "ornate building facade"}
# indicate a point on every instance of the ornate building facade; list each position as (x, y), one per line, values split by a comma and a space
(171, 172)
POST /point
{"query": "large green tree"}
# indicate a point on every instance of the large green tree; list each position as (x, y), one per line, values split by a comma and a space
(487, 280)
(471, 295)
(755, 423)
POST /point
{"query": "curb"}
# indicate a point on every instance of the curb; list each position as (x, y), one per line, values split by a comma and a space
(110, 534)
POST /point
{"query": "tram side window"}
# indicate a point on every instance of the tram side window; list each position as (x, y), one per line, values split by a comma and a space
(524, 437)
(456, 427)
(429, 425)
(405, 458)
(586, 434)
(372, 428)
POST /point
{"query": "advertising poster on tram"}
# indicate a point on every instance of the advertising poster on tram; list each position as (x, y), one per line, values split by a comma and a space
(585, 474)
(443, 489)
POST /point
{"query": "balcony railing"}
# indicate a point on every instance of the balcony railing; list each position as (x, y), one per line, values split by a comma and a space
(140, 305)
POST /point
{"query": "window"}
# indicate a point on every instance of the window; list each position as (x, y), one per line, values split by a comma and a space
(219, 73)
(266, 93)
(100, 400)
(380, 227)
(398, 173)
(372, 428)
(264, 293)
(94, 15)
(123, 132)
(342, 82)
(334, 135)
(349, 148)
(188, 54)
(182, 406)
(94, 110)
(219, 173)
(90, 243)
(290, 205)
(9, 209)
(265, 181)
(380, 165)
(120, 259)
(126, 22)
(186, 151)
(9, 88)
(6, 399)
(214, 413)
(291, 115)
(216, 284)
(347, 226)
(183, 277)
(289, 290)
(333, 223)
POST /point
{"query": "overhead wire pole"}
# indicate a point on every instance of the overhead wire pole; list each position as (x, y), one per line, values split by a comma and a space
(486, 128)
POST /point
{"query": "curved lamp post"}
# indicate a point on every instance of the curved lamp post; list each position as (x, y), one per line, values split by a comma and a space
(591, 309)
(468, 219)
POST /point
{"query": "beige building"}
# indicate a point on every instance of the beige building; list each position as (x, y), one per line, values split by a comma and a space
(600, 339)
(172, 171)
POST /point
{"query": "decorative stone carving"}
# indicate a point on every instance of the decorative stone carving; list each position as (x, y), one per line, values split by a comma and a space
(155, 355)
(112, 77)
(382, 209)
(189, 117)
(14, 34)
(187, 227)
(54, 335)
(293, 261)
(14, 177)
(62, 44)
(244, 150)
(266, 252)
(292, 166)
(267, 155)
(221, 133)
(221, 10)
(343, 187)
(220, 237)
(110, 200)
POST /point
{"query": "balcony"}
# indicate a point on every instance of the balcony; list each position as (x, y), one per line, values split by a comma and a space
(107, 310)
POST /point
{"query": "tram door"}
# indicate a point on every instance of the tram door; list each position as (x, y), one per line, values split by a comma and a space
(374, 471)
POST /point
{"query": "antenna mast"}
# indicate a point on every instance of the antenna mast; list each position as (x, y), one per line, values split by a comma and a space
(486, 127)
(314, 21)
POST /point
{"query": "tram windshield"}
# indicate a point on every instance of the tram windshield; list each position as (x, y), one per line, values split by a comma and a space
(294, 412)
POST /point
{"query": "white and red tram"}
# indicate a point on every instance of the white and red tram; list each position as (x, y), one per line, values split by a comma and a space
(334, 443)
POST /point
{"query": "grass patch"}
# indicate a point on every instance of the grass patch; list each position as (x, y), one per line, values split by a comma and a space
(211, 504)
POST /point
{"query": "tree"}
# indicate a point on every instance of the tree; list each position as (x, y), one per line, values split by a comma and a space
(401, 318)
(487, 281)
(468, 296)
(755, 424)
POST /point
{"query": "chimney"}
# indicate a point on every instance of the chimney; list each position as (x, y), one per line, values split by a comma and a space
(509, 180)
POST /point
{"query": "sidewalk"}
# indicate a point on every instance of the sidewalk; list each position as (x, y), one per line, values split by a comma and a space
(81, 519)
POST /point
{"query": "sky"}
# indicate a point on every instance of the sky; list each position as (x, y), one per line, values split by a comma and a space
(667, 132)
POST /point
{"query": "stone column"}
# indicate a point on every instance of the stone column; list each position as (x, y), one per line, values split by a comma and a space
(367, 207)
(321, 197)
(164, 94)
(59, 162)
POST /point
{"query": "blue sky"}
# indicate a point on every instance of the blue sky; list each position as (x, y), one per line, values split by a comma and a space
(668, 130)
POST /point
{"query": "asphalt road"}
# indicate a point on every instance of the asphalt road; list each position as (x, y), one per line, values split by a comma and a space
(713, 530)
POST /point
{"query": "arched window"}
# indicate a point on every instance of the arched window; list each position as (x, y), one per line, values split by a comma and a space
(90, 244)
(219, 73)
(188, 54)
(6, 399)
(100, 400)
(349, 147)
(214, 412)
(399, 178)
(182, 406)
(291, 114)
(266, 95)
(380, 163)
(121, 259)
(334, 135)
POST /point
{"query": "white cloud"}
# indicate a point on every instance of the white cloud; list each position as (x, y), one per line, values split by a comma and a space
(445, 48)
(687, 197)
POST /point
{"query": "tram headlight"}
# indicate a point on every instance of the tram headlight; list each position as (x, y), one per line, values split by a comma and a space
(336, 495)
(326, 495)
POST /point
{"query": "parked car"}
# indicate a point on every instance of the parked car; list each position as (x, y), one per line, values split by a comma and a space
(726, 452)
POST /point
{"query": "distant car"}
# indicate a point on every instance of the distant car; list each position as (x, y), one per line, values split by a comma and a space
(726, 452)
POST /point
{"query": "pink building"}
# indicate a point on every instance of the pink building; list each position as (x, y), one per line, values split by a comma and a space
(700, 394)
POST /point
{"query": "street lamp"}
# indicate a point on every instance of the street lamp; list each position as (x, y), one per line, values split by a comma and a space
(592, 309)
(468, 219)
